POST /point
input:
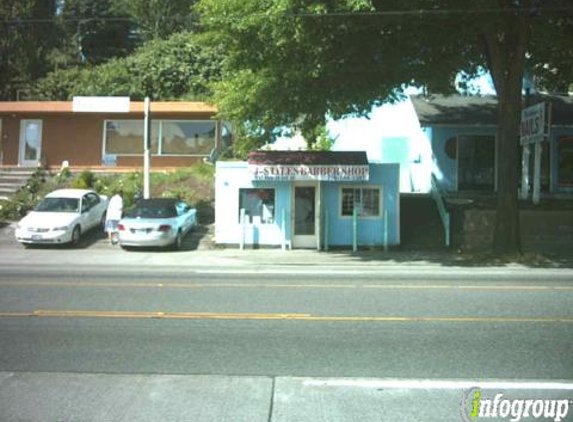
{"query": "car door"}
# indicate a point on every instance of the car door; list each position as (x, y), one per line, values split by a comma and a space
(90, 210)
(183, 216)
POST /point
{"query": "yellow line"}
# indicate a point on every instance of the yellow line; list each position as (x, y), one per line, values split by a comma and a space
(288, 286)
(274, 316)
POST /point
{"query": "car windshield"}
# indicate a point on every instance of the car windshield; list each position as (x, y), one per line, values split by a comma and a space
(153, 210)
(58, 205)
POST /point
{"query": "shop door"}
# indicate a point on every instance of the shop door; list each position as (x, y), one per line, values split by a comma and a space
(30, 142)
(304, 217)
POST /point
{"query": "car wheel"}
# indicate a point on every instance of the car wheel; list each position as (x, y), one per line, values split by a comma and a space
(178, 241)
(76, 234)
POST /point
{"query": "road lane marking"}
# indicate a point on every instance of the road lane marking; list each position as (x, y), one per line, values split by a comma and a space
(461, 287)
(275, 316)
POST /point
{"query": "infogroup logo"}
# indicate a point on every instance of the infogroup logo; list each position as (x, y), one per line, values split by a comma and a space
(475, 406)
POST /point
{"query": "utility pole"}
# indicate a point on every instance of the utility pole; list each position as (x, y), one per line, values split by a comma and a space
(146, 147)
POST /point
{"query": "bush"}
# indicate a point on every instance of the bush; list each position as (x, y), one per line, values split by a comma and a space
(85, 180)
(63, 175)
(193, 185)
(204, 171)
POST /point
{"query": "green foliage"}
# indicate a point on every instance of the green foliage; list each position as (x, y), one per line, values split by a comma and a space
(131, 184)
(158, 19)
(323, 139)
(194, 185)
(290, 63)
(85, 180)
(24, 45)
(63, 175)
(94, 31)
(176, 68)
(27, 197)
(204, 171)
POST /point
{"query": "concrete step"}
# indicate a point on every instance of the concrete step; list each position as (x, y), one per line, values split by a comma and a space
(12, 176)
(17, 170)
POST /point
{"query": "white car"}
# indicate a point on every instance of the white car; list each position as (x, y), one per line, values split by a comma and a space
(62, 217)
(157, 222)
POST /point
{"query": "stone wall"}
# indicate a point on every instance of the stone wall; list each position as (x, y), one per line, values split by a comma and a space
(541, 230)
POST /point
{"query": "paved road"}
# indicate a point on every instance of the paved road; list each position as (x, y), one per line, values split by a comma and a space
(184, 322)
(101, 334)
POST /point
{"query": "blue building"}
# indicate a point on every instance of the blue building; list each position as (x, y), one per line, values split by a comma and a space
(306, 199)
(462, 132)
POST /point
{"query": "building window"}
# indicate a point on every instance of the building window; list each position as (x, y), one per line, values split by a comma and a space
(565, 159)
(125, 137)
(168, 137)
(259, 205)
(187, 138)
(476, 162)
(365, 200)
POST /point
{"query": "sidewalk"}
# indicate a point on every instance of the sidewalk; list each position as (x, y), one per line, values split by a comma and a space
(95, 250)
(66, 397)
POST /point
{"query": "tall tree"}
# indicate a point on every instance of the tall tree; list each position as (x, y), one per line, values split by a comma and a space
(291, 62)
(96, 30)
(175, 68)
(26, 38)
(157, 19)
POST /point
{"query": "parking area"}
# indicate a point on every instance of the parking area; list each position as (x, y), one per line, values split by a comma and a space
(97, 239)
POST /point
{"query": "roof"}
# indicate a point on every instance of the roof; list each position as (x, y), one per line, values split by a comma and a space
(134, 107)
(308, 157)
(481, 111)
(68, 193)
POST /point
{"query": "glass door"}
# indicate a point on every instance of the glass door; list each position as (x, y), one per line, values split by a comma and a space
(30, 142)
(304, 216)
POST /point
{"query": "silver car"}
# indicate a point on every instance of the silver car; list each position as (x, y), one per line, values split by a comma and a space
(157, 222)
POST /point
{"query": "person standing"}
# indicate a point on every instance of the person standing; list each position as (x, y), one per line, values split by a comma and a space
(113, 215)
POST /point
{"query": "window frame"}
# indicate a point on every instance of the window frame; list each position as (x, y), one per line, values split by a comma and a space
(362, 188)
(159, 137)
(262, 223)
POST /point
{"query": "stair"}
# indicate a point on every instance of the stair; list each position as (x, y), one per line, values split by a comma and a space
(420, 224)
(12, 179)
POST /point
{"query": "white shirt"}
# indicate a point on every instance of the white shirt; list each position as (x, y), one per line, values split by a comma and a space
(115, 208)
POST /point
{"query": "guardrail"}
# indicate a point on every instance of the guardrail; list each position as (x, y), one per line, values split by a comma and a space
(444, 214)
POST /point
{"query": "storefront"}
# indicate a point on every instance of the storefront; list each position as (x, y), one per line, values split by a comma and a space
(303, 199)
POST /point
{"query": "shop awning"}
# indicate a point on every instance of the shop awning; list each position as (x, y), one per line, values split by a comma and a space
(350, 166)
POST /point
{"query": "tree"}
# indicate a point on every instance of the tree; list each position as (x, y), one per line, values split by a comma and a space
(176, 68)
(158, 19)
(25, 41)
(291, 62)
(96, 30)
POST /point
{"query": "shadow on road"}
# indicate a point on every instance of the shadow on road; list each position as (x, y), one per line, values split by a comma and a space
(451, 257)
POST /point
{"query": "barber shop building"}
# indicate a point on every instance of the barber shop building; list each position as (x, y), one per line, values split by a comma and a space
(307, 199)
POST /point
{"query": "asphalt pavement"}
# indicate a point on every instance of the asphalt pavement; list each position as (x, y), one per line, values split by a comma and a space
(102, 334)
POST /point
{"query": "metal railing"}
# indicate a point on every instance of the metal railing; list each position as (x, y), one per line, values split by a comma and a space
(444, 214)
